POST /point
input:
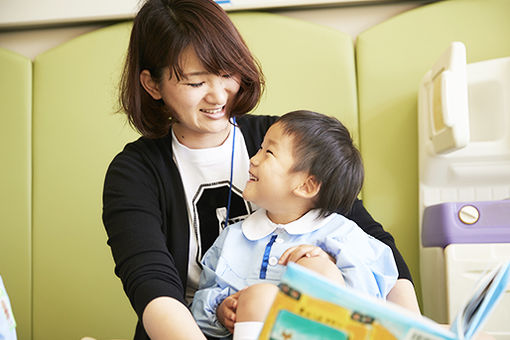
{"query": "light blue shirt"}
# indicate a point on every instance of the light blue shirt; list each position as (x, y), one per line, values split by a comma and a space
(247, 252)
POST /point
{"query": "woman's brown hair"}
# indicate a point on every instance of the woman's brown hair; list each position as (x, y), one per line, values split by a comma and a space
(161, 31)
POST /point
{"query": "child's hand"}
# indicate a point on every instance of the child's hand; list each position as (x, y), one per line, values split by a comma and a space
(293, 254)
(226, 311)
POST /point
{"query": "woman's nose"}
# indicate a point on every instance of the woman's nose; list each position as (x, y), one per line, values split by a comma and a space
(217, 94)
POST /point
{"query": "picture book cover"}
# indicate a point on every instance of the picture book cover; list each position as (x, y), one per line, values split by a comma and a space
(310, 307)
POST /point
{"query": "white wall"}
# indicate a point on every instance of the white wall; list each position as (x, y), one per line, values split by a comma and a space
(349, 19)
(353, 19)
(23, 13)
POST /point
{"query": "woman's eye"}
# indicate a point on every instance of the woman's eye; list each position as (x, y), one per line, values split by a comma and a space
(226, 76)
(270, 152)
(195, 84)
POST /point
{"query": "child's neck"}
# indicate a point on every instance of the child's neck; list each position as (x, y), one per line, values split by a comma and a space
(286, 217)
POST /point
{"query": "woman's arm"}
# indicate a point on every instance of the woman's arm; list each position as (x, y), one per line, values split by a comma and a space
(167, 318)
(137, 232)
(403, 294)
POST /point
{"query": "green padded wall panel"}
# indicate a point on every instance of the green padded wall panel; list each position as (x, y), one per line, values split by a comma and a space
(76, 135)
(392, 57)
(15, 184)
(307, 66)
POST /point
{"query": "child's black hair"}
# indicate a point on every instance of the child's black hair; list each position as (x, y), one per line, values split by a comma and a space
(323, 147)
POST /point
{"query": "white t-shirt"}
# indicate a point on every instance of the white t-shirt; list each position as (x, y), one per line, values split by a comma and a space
(205, 174)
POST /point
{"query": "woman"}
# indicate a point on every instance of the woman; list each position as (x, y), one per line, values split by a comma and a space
(188, 76)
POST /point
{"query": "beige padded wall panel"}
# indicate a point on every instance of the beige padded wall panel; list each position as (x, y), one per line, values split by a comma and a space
(307, 66)
(392, 57)
(76, 134)
(15, 185)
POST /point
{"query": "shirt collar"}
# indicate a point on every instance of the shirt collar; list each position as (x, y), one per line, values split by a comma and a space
(258, 225)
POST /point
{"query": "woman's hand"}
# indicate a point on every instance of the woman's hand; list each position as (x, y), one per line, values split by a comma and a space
(293, 254)
(226, 311)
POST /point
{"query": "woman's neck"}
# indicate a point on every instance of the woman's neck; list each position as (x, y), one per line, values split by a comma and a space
(200, 140)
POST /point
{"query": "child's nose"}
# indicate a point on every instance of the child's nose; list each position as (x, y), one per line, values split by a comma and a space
(255, 159)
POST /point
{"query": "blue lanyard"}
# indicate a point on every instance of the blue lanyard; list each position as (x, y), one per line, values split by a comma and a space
(231, 172)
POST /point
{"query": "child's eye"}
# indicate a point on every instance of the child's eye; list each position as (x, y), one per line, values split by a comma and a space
(195, 84)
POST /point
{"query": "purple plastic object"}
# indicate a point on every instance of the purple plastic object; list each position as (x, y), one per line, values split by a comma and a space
(484, 222)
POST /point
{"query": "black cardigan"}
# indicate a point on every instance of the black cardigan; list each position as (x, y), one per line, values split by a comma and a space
(145, 216)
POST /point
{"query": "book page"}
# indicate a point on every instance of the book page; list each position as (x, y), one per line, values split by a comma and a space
(476, 311)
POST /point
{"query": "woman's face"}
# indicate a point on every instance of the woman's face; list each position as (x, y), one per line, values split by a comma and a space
(198, 101)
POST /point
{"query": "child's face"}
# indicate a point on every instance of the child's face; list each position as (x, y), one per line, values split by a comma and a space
(271, 181)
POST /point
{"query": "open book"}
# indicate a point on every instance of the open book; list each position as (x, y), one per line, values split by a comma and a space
(310, 307)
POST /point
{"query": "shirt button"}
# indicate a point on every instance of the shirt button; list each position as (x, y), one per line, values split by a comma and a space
(273, 261)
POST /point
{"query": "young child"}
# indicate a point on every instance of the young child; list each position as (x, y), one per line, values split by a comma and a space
(306, 173)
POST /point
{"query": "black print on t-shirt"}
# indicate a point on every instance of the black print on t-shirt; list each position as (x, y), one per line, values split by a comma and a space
(210, 211)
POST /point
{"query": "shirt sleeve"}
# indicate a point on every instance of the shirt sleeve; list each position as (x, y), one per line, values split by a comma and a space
(364, 220)
(133, 220)
(366, 263)
(211, 292)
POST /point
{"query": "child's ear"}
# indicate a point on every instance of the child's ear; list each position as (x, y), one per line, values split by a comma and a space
(149, 84)
(309, 188)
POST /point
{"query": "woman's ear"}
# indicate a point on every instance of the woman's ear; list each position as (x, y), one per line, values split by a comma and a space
(150, 85)
(309, 188)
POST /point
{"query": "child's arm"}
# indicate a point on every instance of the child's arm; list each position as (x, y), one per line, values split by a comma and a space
(403, 292)
(204, 306)
(226, 311)
(366, 263)
(366, 222)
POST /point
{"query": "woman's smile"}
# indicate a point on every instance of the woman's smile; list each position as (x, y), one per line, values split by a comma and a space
(214, 113)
